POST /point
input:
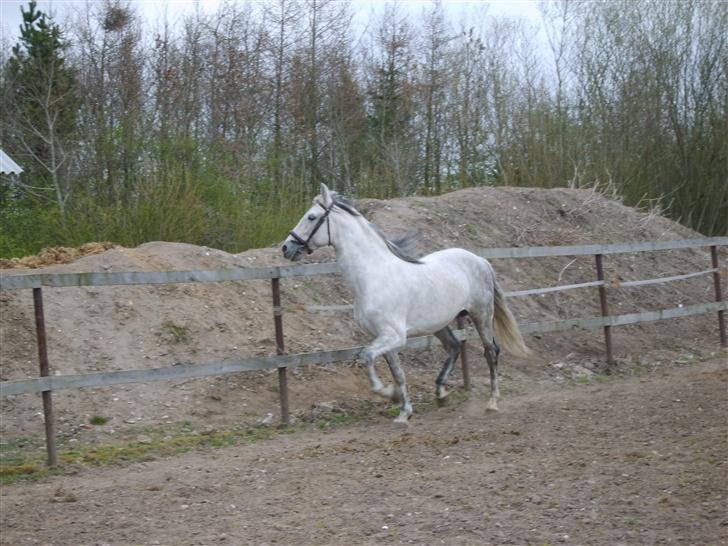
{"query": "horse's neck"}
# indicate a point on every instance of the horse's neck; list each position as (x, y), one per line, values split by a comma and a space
(360, 253)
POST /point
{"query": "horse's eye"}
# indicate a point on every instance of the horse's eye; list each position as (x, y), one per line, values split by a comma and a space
(312, 217)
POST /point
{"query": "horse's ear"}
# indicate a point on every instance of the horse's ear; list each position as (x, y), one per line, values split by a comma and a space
(326, 196)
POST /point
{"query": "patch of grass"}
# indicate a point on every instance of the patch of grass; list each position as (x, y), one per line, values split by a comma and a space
(472, 233)
(686, 359)
(336, 418)
(98, 420)
(588, 380)
(157, 444)
(174, 333)
(17, 464)
(18, 471)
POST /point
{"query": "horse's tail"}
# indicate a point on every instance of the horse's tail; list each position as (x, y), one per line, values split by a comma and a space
(506, 328)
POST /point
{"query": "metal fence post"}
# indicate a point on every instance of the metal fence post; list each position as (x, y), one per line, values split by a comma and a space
(718, 295)
(280, 349)
(464, 356)
(50, 425)
(604, 308)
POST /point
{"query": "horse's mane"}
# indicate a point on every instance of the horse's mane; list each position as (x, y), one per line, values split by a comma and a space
(402, 247)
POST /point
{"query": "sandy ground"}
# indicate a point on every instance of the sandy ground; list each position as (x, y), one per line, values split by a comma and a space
(637, 460)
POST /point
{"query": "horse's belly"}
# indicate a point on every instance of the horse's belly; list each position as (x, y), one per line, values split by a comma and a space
(434, 311)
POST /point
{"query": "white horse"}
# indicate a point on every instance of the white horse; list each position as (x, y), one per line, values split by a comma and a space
(397, 295)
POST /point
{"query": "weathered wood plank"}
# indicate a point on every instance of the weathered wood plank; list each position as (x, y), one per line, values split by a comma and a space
(660, 280)
(578, 250)
(539, 291)
(621, 320)
(61, 382)
(15, 282)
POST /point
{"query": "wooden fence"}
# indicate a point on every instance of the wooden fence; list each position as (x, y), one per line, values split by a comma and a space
(46, 383)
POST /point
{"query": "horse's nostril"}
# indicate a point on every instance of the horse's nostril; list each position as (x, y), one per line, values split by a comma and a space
(285, 248)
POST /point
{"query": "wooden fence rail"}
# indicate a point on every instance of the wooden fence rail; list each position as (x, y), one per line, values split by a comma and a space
(37, 280)
(46, 383)
(188, 371)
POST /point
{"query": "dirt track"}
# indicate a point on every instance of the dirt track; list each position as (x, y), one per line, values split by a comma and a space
(628, 461)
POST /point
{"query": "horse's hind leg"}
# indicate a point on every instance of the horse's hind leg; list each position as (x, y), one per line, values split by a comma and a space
(484, 325)
(451, 344)
(405, 411)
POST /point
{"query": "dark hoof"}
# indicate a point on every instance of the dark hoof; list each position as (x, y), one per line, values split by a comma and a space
(442, 402)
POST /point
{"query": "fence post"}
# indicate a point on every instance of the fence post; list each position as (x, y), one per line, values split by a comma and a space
(464, 356)
(604, 308)
(718, 295)
(50, 425)
(280, 349)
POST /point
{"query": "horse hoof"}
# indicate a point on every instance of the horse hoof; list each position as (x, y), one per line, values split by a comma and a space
(403, 419)
(492, 406)
(441, 401)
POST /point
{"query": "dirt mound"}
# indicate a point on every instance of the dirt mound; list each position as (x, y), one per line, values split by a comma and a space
(55, 255)
(134, 327)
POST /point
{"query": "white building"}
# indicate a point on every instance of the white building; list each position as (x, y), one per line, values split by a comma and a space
(7, 165)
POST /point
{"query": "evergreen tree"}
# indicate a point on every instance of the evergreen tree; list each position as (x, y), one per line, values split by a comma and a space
(39, 112)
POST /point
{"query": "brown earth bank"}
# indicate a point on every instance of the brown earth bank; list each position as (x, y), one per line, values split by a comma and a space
(629, 461)
(113, 328)
(55, 255)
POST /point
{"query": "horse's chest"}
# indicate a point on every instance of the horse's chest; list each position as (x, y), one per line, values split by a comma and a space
(365, 320)
(372, 316)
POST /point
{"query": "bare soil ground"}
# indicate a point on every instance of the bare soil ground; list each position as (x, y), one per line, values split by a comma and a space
(635, 460)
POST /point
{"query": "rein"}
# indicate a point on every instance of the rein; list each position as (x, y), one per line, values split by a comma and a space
(325, 216)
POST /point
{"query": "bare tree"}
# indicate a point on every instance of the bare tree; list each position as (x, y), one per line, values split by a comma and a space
(38, 110)
(433, 78)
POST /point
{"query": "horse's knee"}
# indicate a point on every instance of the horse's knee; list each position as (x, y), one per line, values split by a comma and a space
(367, 355)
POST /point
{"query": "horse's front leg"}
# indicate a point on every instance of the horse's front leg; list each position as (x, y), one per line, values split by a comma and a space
(405, 411)
(389, 340)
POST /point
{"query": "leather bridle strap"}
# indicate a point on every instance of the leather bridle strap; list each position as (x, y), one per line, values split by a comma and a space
(324, 217)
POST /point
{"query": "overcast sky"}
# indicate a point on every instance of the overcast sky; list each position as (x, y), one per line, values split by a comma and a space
(151, 10)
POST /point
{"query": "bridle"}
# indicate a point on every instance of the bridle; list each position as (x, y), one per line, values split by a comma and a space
(324, 217)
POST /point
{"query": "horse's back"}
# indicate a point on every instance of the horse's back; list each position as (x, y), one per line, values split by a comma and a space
(447, 282)
(453, 259)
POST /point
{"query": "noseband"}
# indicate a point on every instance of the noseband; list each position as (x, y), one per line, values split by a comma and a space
(324, 217)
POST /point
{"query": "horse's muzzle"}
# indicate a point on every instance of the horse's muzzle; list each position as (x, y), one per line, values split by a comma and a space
(292, 250)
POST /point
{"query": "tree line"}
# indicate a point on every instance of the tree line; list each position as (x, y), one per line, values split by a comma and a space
(217, 128)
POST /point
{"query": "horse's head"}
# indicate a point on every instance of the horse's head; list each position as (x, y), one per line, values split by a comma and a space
(313, 230)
